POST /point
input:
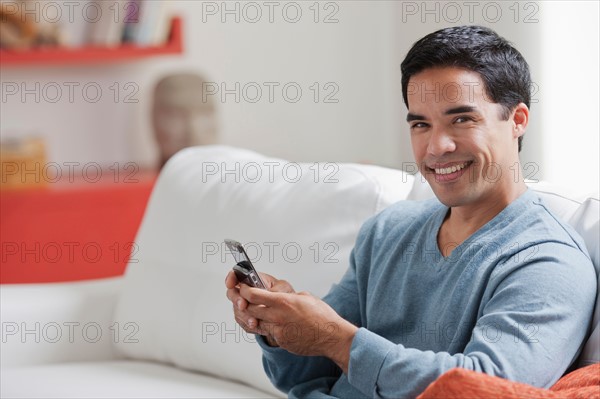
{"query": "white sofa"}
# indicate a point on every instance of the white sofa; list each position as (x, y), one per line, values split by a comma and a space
(165, 329)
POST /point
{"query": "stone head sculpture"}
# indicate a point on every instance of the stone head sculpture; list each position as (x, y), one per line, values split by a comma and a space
(182, 116)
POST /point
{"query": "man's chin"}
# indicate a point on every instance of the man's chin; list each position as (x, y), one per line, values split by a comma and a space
(449, 202)
(450, 197)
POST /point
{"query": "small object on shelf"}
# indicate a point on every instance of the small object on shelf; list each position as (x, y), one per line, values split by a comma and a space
(153, 26)
(22, 163)
(93, 54)
(108, 30)
(22, 31)
(132, 20)
(15, 33)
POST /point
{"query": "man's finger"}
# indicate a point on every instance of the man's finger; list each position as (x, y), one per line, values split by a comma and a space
(269, 329)
(249, 324)
(259, 296)
(231, 280)
(263, 313)
(282, 286)
(234, 296)
(267, 279)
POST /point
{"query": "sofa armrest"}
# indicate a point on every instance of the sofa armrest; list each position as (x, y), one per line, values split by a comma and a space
(60, 322)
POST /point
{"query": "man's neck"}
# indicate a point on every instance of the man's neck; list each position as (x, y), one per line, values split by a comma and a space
(463, 221)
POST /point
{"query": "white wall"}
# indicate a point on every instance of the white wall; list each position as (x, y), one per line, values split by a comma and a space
(361, 54)
(570, 93)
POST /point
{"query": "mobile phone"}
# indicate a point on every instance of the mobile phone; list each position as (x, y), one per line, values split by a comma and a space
(244, 269)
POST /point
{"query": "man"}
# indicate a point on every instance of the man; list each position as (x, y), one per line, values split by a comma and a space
(484, 277)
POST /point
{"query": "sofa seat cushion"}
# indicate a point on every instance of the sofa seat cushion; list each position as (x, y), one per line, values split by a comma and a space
(117, 379)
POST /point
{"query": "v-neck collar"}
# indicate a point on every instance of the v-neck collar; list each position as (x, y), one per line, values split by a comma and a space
(514, 208)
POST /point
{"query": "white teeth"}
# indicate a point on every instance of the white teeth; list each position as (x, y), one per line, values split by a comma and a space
(451, 169)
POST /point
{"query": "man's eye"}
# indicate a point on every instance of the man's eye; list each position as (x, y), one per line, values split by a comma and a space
(418, 125)
(463, 119)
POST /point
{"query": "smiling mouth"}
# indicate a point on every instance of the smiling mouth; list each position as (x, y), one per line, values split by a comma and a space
(449, 173)
(451, 169)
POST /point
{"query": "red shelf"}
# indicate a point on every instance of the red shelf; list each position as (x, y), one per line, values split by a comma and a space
(61, 56)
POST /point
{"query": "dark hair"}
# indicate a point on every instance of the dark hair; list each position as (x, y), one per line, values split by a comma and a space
(504, 71)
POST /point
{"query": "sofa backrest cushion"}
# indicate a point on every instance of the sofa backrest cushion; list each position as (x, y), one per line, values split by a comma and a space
(582, 212)
(297, 221)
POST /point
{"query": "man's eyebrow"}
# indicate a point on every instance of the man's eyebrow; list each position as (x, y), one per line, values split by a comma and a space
(456, 110)
(460, 110)
(414, 117)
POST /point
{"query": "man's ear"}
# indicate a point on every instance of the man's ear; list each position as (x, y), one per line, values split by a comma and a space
(520, 119)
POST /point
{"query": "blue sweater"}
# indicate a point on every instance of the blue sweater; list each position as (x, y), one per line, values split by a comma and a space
(514, 300)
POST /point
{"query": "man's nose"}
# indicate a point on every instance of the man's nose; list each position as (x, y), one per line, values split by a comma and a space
(440, 143)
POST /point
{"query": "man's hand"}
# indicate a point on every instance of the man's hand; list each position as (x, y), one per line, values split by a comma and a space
(300, 323)
(248, 322)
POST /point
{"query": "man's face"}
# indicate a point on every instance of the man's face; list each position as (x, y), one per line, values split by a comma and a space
(463, 148)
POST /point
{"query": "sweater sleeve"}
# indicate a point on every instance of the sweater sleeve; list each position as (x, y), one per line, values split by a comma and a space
(530, 329)
(286, 370)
